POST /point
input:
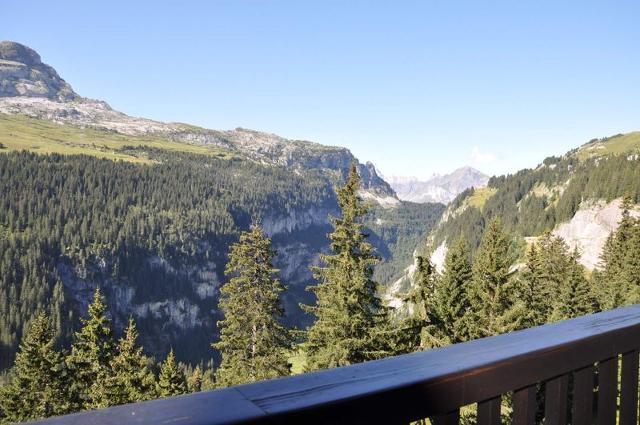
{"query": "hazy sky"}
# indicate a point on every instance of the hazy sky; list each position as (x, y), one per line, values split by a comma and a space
(416, 87)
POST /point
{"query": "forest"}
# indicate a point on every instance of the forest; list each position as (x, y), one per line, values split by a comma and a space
(152, 233)
(475, 296)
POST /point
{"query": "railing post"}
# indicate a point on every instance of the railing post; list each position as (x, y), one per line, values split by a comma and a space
(524, 406)
(583, 396)
(451, 418)
(489, 412)
(555, 403)
(607, 391)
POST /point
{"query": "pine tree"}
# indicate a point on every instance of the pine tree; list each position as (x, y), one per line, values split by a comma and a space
(576, 297)
(451, 300)
(492, 294)
(546, 272)
(171, 381)
(618, 282)
(38, 389)
(129, 378)
(416, 330)
(253, 342)
(194, 380)
(91, 354)
(350, 318)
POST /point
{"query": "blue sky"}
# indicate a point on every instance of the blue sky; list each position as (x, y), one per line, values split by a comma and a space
(416, 87)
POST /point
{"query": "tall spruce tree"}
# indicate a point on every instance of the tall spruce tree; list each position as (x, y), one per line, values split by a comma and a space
(417, 331)
(91, 354)
(171, 380)
(39, 386)
(493, 306)
(576, 296)
(547, 271)
(451, 300)
(253, 342)
(129, 378)
(618, 282)
(350, 318)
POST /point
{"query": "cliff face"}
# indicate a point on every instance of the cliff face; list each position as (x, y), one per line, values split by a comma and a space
(22, 73)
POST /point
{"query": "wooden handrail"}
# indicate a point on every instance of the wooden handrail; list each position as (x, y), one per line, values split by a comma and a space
(433, 383)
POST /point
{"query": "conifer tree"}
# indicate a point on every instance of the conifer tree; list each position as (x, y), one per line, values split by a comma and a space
(91, 354)
(350, 318)
(576, 297)
(253, 342)
(417, 330)
(451, 300)
(492, 294)
(171, 380)
(194, 380)
(618, 282)
(129, 378)
(546, 272)
(38, 389)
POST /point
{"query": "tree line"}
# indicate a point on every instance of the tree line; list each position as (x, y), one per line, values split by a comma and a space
(475, 296)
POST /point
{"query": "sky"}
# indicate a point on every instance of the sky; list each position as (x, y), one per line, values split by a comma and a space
(415, 87)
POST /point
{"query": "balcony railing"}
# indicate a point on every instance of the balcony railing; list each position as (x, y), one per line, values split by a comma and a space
(575, 361)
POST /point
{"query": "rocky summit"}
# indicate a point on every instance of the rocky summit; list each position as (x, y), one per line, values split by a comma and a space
(22, 73)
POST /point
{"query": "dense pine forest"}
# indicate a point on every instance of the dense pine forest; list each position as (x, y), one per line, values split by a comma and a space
(152, 233)
(472, 298)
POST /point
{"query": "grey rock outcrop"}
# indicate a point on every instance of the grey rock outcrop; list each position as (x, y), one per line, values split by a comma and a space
(22, 73)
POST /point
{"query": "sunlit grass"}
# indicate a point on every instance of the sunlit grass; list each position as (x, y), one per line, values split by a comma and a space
(18, 132)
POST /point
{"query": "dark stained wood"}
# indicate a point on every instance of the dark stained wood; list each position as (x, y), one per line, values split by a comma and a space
(489, 412)
(583, 396)
(451, 418)
(607, 391)
(524, 406)
(402, 388)
(629, 389)
(555, 404)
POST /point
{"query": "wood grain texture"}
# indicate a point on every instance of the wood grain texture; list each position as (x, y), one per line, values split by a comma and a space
(489, 412)
(402, 388)
(556, 399)
(607, 391)
(583, 396)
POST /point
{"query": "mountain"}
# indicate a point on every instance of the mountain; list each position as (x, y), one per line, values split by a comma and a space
(439, 188)
(146, 210)
(576, 196)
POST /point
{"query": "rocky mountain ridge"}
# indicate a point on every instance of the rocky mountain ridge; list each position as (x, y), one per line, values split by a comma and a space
(439, 188)
(29, 87)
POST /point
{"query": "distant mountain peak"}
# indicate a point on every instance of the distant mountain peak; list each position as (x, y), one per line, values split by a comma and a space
(439, 188)
(22, 73)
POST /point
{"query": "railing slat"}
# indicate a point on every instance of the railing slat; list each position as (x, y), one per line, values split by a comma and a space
(555, 404)
(583, 396)
(489, 412)
(607, 391)
(524, 406)
(629, 389)
(451, 418)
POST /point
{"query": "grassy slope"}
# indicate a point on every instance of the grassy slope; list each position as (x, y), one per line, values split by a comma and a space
(619, 144)
(18, 132)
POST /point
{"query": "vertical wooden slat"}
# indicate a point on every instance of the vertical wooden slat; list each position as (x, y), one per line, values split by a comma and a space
(489, 412)
(451, 418)
(607, 391)
(629, 389)
(555, 403)
(524, 406)
(583, 396)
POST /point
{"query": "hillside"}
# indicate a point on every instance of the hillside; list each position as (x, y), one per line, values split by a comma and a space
(146, 210)
(577, 196)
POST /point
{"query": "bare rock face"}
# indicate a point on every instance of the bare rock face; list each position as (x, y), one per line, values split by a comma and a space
(22, 73)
